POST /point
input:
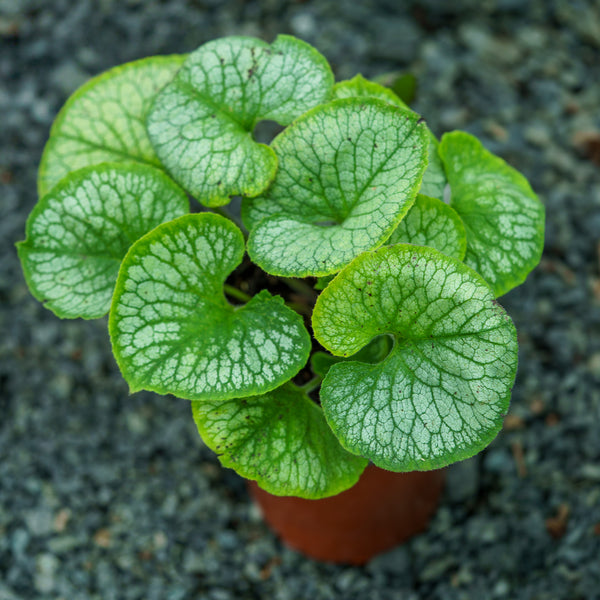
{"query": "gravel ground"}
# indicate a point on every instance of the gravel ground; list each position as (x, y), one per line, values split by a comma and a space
(107, 496)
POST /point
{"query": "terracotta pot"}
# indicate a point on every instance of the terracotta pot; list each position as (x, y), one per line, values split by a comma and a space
(381, 511)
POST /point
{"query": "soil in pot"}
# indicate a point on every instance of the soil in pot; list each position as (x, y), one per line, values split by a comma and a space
(381, 511)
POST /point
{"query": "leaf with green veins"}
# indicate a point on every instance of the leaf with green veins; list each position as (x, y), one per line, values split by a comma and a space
(375, 351)
(80, 231)
(104, 120)
(431, 222)
(503, 217)
(358, 86)
(201, 124)
(281, 440)
(441, 393)
(348, 172)
(434, 179)
(173, 331)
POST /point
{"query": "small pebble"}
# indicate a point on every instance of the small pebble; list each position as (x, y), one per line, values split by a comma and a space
(46, 567)
(107, 495)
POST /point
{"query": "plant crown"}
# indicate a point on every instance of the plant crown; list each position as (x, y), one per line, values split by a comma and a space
(412, 361)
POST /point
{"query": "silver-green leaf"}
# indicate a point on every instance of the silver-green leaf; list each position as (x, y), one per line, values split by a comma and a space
(434, 179)
(281, 440)
(348, 172)
(359, 87)
(78, 233)
(104, 120)
(174, 332)
(442, 392)
(503, 218)
(431, 222)
(201, 124)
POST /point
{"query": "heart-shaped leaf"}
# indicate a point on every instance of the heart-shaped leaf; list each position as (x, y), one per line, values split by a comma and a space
(434, 179)
(281, 440)
(173, 331)
(201, 124)
(348, 172)
(431, 222)
(503, 217)
(78, 234)
(441, 393)
(104, 120)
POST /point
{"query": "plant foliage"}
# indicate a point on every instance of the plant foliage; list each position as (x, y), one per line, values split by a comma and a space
(344, 217)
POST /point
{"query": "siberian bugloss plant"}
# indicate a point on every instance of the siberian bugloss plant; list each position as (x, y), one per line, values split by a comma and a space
(345, 214)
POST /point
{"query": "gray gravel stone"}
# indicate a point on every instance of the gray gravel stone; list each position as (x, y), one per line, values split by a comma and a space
(39, 521)
(19, 543)
(462, 481)
(521, 74)
(45, 572)
(7, 594)
(68, 77)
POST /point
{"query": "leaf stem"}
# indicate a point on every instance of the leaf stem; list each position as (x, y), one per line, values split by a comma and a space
(311, 385)
(301, 288)
(235, 293)
(303, 309)
(243, 297)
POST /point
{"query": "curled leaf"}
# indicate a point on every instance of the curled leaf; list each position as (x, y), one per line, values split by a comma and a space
(104, 120)
(78, 234)
(348, 172)
(201, 123)
(503, 218)
(174, 332)
(441, 394)
(281, 440)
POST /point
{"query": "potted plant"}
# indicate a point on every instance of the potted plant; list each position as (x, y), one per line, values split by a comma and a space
(356, 223)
